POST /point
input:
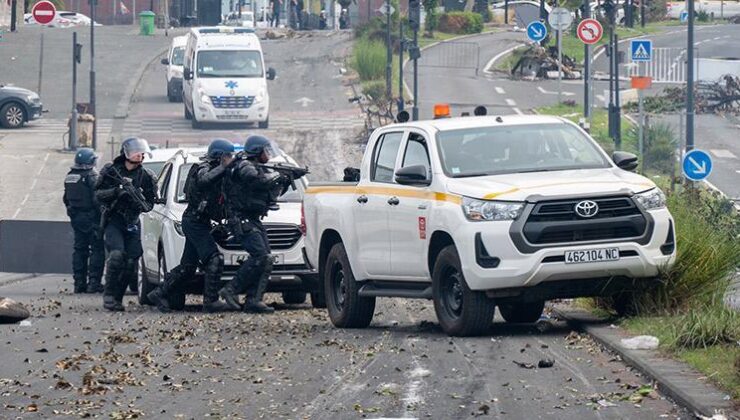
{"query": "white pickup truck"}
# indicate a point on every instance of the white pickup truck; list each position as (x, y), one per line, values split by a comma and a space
(479, 212)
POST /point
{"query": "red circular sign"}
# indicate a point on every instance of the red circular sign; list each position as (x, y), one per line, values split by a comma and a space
(590, 31)
(43, 12)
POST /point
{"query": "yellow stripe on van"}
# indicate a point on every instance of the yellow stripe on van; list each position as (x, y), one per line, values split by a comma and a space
(398, 192)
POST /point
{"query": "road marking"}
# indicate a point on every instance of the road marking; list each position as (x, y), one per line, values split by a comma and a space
(723, 153)
(510, 102)
(500, 90)
(547, 92)
(518, 111)
(33, 185)
(491, 62)
(304, 101)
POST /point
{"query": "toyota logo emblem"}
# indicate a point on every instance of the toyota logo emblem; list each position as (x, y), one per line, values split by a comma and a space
(587, 208)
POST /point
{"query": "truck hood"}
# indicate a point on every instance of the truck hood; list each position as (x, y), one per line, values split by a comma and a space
(224, 86)
(288, 213)
(536, 186)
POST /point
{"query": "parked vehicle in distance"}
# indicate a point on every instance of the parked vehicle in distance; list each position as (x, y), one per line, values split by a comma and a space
(18, 106)
(63, 19)
(173, 71)
(483, 212)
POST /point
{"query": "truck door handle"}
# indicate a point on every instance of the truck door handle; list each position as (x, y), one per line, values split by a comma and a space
(362, 199)
(393, 201)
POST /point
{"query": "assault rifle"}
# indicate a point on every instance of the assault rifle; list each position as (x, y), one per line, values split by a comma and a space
(129, 189)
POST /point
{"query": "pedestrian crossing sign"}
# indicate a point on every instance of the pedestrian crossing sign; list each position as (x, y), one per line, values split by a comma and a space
(641, 49)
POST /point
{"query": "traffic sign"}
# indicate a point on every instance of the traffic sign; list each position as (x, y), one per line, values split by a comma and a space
(560, 19)
(683, 16)
(641, 49)
(697, 165)
(382, 9)
(536, 31)
(590, 31)
(43, 12)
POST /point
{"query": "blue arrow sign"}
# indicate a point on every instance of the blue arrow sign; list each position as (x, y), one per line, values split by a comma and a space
(536, 31)
(684, 16)
(697, 165)
(641, 49)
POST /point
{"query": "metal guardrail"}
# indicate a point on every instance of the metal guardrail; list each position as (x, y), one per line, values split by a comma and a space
(668, 65)
(453, 54)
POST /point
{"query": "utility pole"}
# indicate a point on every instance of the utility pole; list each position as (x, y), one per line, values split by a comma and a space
(506, 12)
(617, 107)
(13, 16)
(389, 51)
(586, 67)
(92, 75)
(642, 13)
(73, 123)
(414, 54)
(690, 79)
(402, 41)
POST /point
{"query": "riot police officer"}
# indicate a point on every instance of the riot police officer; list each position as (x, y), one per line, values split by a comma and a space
(84, 214)
(203, 193)
(125, 189)
(250, 190)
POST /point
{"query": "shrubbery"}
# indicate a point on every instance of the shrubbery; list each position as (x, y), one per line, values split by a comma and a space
(369, 58)
(461, 23)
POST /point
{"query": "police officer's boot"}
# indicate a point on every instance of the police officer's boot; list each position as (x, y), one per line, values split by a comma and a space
(159, 296)
(116, 267)
(94, 286)
(80, 284)
(254, 302)
(211, 303)
(230, 295)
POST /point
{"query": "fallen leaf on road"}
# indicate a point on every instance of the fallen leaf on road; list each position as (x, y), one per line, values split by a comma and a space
(523, 365)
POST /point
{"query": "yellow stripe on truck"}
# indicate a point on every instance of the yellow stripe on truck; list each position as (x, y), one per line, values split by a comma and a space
(491, 196)
(398, 192)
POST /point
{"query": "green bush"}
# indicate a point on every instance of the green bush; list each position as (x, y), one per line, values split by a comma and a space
(432, 18)
(461, 23)
(659, 148)
(369, 58)
(701, 328)
(702, 15)
(374, 90)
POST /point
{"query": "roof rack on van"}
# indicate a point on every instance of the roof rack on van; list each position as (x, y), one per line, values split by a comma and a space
(226, 30)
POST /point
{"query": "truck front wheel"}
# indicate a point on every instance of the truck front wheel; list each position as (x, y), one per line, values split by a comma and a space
(460, 311)
(346, 308)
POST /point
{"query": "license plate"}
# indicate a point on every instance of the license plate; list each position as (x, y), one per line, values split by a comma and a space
(591, 255)
(277, 259)
(233, 113)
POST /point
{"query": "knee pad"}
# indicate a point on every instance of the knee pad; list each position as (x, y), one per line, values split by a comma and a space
(131, 264)
(215, 264)
(187, 270)
(116, 259)
(263, 262)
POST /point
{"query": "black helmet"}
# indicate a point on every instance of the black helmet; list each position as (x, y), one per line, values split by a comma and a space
(85, 158)
(218, 148)
(134, 145)
(255, 145)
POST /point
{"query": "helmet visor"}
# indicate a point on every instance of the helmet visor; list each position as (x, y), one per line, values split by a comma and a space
(134, 147)
(273, 150)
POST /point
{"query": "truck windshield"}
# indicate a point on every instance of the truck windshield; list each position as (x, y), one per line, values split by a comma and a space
(234, 63)
(498, 150)
(177, 55)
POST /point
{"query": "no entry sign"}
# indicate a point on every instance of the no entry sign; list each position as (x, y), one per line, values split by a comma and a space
(43, 12)
(590, 31)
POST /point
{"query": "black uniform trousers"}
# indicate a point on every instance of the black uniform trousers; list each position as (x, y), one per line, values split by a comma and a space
(88, 257)
(254, 240)
(123, 244)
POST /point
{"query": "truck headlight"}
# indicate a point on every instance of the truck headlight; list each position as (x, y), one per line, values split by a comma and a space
(651, 199)
(480, 210)
(178, 229)
(204, 99)
(260, 97)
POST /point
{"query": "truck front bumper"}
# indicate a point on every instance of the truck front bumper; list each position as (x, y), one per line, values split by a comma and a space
(491, 259)
(258, 112)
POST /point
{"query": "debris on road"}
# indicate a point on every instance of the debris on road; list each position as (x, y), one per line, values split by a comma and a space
(546, 363)
(720, 97)
(12, 311)
(641, 342)
(536, 62)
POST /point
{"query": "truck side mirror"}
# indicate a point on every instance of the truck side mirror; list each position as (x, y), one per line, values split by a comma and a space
(187, 74)
(412, 175)
(271, 74)
(624, 160)
(165, 61)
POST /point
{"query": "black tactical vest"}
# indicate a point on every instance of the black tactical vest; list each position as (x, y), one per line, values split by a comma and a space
(78, 190)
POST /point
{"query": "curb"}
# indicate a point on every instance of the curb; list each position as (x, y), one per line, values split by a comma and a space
(10, 278)
(123, 104)
(676, 379)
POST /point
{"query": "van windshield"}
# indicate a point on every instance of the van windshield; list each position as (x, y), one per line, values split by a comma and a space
(522, 148)
(177, 55)
(230, 64)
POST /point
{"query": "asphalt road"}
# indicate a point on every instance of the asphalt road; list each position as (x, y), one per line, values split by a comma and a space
(76, 360)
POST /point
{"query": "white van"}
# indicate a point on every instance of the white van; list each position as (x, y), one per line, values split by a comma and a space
(173, 72)
(224, 77)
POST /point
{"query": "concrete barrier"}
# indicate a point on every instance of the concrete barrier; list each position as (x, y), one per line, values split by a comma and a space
(711, 69)
(35, 246)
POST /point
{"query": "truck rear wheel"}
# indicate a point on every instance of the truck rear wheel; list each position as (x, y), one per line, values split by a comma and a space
(522, 312)
(346, 308)
(460, 311)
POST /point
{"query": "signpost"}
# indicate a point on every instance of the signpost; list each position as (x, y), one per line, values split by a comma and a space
(560, 20)
(641, 83)
(536, 31)
(683, 16)
(697, 165)
(590, 31)
(44, 12)
(641, 50)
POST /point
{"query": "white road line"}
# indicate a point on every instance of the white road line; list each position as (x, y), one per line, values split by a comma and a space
(500, 90)
(33, 184)
(16, 213)
(24, 200)
(518, 111)
(510, 102)
(491, 62)
(46, 158)
(723, 153)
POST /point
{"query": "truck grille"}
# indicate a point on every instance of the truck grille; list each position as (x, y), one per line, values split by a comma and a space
(231, 102)
(282, 236)
(552, 222)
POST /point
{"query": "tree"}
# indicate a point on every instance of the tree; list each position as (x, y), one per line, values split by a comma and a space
(432, 17)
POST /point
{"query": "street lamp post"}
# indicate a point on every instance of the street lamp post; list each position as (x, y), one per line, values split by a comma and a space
(92, 75)
(690, 79)
(389, 51)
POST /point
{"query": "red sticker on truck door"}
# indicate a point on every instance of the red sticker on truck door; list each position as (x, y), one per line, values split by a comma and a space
(422, 227)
